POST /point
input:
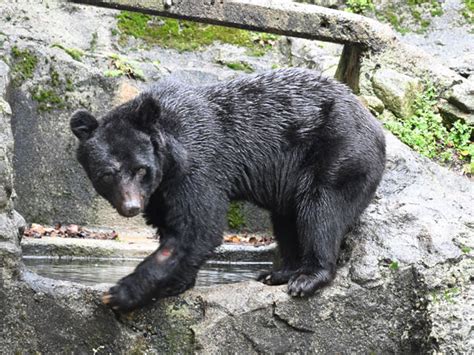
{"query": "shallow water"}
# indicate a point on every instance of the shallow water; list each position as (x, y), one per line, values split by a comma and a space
(94, 271)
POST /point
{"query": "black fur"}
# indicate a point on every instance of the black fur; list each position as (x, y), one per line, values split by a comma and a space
(291, 141)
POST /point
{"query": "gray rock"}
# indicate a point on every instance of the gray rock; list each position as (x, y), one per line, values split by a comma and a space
(396, 90)
(452, 113)
(373, 103)
(322, 56)
(462, 96)
(326, 3)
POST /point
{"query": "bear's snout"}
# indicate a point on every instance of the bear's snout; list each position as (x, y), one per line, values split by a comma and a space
(129, 202)
(130, 208)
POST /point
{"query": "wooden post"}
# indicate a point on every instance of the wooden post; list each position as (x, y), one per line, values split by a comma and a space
(348, 69)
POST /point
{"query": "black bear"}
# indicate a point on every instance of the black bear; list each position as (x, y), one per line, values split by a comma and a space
(290, 141)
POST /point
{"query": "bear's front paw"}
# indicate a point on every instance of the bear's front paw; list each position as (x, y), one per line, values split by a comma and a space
(304, 284)
(277, 277)
(124, 297)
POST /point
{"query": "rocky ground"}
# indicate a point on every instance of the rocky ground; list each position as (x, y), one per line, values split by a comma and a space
(404, 280)
(449, 37)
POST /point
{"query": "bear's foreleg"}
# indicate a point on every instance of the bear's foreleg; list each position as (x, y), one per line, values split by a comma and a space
(193, 228)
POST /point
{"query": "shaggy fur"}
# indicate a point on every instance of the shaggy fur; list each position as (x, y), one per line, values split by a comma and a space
(290, 141)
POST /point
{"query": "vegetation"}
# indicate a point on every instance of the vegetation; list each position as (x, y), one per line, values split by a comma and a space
(421, 12)
(468, 11)
(238, 65)
(424, 132)
(124, 67)
(47, 99)
(74, 53)
(235, 216)
(24, 65)
(394, 266)
(360, 6)
(51, 95)
(93, 42)
(186, 35)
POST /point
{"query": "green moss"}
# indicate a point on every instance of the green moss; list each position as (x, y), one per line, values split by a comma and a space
(419, 19)
(74, 53)
(24, 65)
(465, 249)
(69, 85)
(186, 35)
(394, 266)
(235, 216)
(360, 6)
(468, 11)
(240, 65)
(54, 77)
(93, 42)
(47, 99)
(391, 17)
(124, 67)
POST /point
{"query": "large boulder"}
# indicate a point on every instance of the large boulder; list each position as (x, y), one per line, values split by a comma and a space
(396, 90)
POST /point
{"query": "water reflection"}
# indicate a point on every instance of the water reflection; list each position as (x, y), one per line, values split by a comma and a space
(94, 271)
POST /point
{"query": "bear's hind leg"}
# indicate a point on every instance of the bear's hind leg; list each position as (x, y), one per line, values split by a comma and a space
(323, 217)
(284, 229)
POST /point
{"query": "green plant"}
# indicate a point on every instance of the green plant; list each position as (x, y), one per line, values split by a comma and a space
(24, 64)
(394, 266)
(187, 35)
(468, 11)
(424, 132)
(451, 293)
(360, 6)
(235, 215)
(238, 65)
(123, 66)
(93, 42)
(47, 99)
(74, 53)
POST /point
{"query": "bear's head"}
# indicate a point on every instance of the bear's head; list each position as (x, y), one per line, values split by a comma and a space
(123, 153)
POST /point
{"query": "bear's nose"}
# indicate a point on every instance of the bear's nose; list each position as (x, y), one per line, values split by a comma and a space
(131, 208)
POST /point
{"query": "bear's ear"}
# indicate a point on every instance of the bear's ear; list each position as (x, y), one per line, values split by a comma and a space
(83, 124)
(148, 112)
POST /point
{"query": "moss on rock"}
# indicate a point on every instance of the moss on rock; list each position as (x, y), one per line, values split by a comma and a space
(24, 64)
(187, 35)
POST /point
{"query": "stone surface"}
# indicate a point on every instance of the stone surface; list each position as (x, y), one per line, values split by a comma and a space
(451, 113)
(274, 16)
(462, 96)
(373, 103)
(396, 90)
(322, 56)
(410, 61)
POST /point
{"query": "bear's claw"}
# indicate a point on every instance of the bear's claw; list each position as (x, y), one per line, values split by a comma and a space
(106, 297)
(278, 277)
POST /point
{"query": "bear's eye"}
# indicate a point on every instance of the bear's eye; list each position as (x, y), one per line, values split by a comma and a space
(107, 178)
(141, 172)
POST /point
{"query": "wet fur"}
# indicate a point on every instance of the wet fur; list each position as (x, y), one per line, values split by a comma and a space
(290, 141)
